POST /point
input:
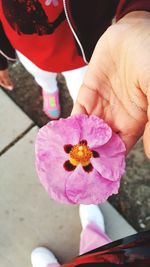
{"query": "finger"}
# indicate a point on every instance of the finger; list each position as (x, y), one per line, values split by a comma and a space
(78, 109)
(7, 84)
(88, 102)
(146, 139)
(6, 81)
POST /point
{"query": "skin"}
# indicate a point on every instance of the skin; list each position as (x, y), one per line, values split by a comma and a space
(116, 86)
(5, 80)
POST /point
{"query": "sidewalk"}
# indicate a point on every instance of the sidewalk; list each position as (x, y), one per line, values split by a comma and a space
(28, 218)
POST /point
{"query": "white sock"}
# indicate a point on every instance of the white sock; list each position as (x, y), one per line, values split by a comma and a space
(91, 213)
(41, 257)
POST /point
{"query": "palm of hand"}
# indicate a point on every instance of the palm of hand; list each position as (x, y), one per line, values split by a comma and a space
(116, 84)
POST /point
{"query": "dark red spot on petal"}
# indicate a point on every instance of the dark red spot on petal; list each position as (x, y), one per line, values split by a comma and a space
(83, 142)
(95, 154)
(68, 148)
(88, 168)
(68, 166)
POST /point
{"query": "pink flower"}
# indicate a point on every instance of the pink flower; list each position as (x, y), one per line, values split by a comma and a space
(79, 159)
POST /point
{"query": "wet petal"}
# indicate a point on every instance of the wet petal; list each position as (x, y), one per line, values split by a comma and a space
(111, 162)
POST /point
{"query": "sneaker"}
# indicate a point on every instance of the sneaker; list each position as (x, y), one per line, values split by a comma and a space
(51, 105)
(89, 214)
(42, 257)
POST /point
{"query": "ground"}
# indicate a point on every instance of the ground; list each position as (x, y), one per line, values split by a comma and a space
(133, 200)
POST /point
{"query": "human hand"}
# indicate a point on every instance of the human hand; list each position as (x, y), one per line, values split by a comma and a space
(5, 80)
(116, 86)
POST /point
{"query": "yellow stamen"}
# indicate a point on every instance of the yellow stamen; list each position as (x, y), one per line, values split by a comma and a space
(80, 154)
(73, 162)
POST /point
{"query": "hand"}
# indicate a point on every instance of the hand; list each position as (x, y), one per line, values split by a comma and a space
(5, 80)
(116, 86)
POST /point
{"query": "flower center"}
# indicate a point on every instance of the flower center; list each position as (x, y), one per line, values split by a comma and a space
(80, 154)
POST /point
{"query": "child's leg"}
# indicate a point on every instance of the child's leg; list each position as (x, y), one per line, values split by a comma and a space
(74, 79)
(43, 257)
(53, 265)
(92, 235)
(47, 80)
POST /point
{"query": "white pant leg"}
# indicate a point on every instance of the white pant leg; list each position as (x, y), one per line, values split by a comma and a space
(74, 79)
(46, 79)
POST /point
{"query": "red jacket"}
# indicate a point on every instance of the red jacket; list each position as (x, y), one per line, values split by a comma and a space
(87, 19)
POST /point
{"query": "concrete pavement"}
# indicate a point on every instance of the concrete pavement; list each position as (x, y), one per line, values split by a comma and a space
(28, 218)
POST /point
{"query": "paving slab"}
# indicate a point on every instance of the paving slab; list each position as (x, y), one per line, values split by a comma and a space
(117, 227)
(29, 218)
(13, 121)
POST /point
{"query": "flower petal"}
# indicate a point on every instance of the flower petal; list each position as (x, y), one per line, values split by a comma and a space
(50, 159)
(53, 178)
(89, 189)
(62, 131)
(49, 147)
(94, 130)
(111, 161)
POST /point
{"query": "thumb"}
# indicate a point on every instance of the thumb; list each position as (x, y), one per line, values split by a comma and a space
(146, 139)
(78, 109)
(82, 102)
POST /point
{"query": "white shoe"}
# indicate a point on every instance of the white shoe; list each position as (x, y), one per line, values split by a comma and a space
(91, 213)
(41, 257)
